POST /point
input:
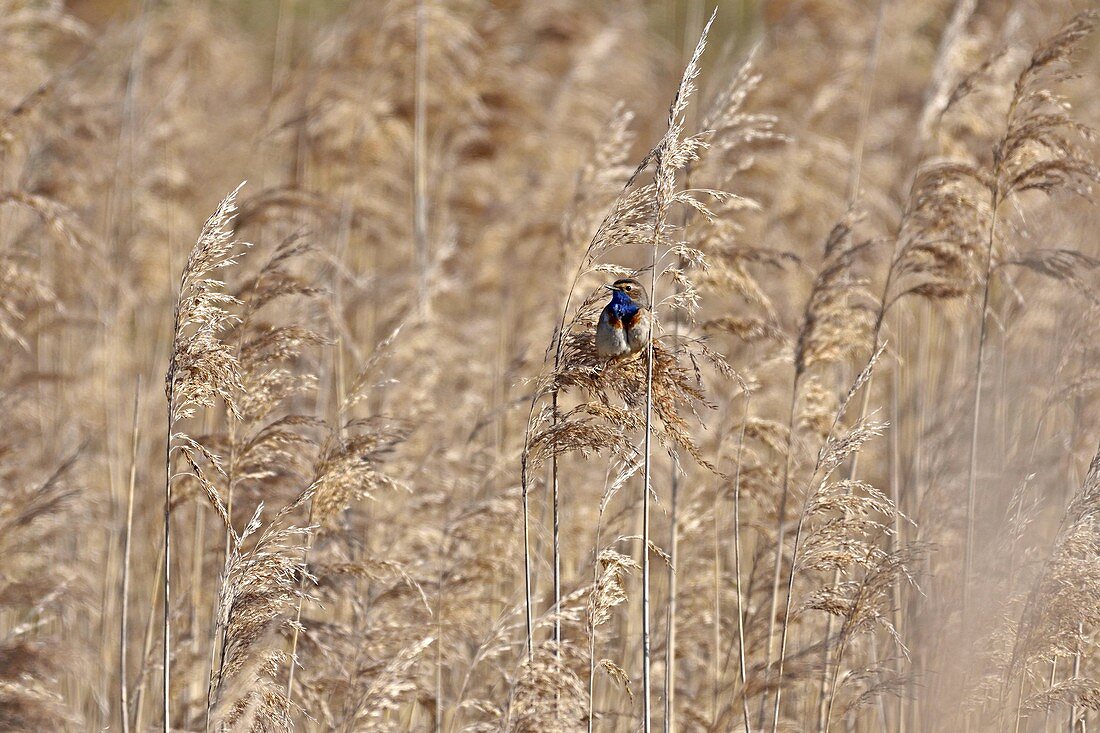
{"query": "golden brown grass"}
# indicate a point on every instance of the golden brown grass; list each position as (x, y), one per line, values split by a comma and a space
(853, 484)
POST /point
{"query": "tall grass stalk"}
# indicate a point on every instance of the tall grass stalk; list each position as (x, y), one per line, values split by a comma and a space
(670, 620)
(166, 587)
(420, 151)
(860, 383)
(780, 538)
(976, 410)
(124, 606)
(646, 483)
(298, 612)
(741, 653)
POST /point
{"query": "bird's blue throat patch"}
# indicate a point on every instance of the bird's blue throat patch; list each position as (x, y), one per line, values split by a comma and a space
(622, 307)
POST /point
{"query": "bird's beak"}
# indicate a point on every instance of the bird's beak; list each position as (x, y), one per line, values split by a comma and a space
(608, 287)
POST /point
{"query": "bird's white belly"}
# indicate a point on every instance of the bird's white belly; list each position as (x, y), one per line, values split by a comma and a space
(610, 342)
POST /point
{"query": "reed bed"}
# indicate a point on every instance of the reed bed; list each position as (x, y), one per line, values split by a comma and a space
(334, 450)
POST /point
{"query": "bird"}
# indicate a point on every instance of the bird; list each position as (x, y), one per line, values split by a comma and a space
(624, 324)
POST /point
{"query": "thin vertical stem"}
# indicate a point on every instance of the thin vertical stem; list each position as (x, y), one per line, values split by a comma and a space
(895, 539)
(737, 564)
(716, 579)
(647, 472)
(420, 181)
(693, 22)
(439, 638)
(786, 626)
(1076, 674)
(1020, 701)
(780, 536)
(147, 645)
(645, 528)
(124, 621)
(557, 554)
(133, 82)
(556, 538)
(166, 585)
(298, 611)
(193, 687)
(527, 558)
(855, 173)
(832, 686)
(968, 555)
(1050, 685)
(670, 623)
(592, 628)
(856, 170)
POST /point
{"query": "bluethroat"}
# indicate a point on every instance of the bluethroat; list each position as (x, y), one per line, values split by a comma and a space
(625, 322)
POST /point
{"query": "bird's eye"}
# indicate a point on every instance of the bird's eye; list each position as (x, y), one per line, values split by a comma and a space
(628, 288)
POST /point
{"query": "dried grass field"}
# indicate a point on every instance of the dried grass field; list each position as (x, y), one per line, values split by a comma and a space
(335, 449)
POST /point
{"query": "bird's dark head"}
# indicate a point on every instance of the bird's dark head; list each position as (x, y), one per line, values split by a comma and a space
(632, 289)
